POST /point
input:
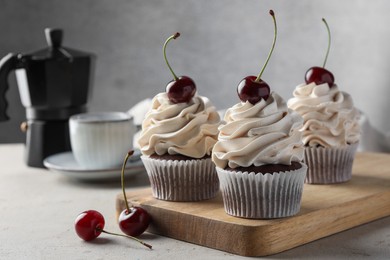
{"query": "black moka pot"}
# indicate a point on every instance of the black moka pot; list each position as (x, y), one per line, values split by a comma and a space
(53, 84)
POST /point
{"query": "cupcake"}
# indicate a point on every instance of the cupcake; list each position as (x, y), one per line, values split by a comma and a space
(176, 140)
(258, 158)
(331, 130)
(259, 154)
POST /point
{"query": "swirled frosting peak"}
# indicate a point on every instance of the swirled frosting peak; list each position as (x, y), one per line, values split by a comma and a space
(264, 133)
(330, 118)
(189, 129)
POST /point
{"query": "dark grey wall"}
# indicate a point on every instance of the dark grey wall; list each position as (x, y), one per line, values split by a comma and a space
(222, 41)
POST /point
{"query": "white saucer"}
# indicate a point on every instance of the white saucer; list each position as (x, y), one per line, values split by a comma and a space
(66, 164)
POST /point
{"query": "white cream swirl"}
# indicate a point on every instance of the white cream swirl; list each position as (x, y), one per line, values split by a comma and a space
(189, 129)
(264, 133)
(330, 118)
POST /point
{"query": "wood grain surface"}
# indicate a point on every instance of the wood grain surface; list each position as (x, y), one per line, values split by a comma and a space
(325, 210)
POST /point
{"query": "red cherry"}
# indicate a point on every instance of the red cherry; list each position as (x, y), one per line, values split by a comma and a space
(180, 89)
(251, 88)
(135, 222)
(319, 76)
(89, 224)
(252, 91)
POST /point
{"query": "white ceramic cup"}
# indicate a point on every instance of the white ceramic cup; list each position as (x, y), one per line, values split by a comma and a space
(101, 140)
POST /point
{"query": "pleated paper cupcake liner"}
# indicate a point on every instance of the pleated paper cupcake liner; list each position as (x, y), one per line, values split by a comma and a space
(329, 165)
(182, 180)
(262, 196)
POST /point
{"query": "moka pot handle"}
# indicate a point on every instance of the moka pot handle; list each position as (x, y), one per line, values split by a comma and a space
(7, 64)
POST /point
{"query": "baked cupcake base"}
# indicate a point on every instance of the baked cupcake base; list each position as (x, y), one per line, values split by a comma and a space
(329, 165)
(262, 195)
(182, 180)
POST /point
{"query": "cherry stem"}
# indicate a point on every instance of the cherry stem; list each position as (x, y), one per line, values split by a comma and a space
(120, 235)
(176, 35)
(329, 40)
(130, 153)
(271, 12)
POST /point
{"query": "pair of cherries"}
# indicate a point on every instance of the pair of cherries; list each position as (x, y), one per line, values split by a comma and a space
(133, 221)
(251, 88)
(90, 224)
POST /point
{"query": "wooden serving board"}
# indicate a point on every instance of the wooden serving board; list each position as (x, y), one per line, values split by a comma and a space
(325, 210)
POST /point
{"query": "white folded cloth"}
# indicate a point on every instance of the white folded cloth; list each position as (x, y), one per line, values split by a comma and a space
(139, 110)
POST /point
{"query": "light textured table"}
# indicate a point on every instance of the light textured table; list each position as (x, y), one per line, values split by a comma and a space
(38, 208)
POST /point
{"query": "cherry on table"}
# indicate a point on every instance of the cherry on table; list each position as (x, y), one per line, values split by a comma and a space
(252, 88)
(89, 224)
(180, 89)
(135, 222)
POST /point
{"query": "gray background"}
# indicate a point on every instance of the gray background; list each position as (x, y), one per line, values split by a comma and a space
(222, 42)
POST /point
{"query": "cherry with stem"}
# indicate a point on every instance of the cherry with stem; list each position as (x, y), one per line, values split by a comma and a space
(180, 89)
(320, 75)
(252, 88)
(133, 220)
